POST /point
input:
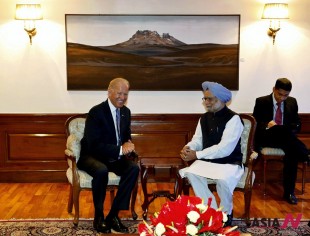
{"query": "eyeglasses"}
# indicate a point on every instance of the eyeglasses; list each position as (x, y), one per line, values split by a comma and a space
(209, 99)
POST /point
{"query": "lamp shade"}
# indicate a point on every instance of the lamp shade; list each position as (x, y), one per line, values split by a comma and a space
(28, 12)
(275, 11)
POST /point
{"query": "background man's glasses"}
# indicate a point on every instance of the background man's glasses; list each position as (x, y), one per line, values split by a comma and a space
(209, 99)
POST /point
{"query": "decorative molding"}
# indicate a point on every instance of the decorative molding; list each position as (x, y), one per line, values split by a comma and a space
(32, 145)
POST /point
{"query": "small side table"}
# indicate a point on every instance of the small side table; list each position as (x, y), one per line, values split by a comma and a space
(147, 164)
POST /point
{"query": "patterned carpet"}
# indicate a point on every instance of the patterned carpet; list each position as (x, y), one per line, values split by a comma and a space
(53, 227)
(59, 227)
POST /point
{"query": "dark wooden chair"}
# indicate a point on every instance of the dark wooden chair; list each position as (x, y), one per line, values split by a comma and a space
(79, 180)
(245, 184)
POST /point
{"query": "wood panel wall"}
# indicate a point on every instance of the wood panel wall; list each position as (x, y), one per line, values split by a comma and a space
(32, 145)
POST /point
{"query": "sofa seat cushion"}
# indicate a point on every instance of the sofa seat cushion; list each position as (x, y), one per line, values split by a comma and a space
(85, 179)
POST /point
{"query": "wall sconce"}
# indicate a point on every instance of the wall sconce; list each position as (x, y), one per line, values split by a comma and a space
(275, 12)
(29, 13)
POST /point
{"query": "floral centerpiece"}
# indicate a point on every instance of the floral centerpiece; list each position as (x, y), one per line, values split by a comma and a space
(187, 215)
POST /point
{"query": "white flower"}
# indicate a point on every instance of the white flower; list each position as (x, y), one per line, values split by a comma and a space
(202, 208)
(193, 216)
(224, 217)
(159, 229)
(191, 229)
(143, 234)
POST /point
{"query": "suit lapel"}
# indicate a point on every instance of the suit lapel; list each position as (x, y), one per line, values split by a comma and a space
(270, 107)
(109, 117)
(122, 120)
(285, 109)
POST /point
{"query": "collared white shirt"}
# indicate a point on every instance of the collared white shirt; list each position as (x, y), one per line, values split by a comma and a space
(275, 107)
(113, 112)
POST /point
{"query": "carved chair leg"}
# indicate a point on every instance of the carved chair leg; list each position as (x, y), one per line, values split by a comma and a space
(70, 200)
(76, 196)
(264, 175)
(186, 186)
(133, 201)
(145, 204)
(178, 187)
(247, 205)
(112, 195)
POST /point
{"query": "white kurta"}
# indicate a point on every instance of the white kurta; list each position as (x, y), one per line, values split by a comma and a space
(228, 172)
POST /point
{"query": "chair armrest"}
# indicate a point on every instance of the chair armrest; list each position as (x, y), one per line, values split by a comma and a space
(70, 155)
(72, 164)
(253, 156)
(251, 159)
(248, 181)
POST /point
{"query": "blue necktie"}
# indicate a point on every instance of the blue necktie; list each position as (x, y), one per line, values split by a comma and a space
(118, 122)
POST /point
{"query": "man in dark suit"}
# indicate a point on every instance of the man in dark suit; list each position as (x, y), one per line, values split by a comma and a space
(106, 142)
(277, 124)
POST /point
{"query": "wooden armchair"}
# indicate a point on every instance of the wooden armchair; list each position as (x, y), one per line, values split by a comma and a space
(246, 182)
(79, 180)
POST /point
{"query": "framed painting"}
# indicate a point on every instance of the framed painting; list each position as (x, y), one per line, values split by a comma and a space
(153, 52)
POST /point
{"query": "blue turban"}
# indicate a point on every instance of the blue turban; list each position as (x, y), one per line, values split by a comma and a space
(217, 90)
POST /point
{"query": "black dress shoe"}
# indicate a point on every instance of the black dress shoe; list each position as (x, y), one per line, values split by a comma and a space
(116, 225)
(229, 220)
(100, 226)
(291, 199)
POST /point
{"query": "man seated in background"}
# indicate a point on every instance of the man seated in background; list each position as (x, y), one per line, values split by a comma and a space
(277, 124)
(216, 149)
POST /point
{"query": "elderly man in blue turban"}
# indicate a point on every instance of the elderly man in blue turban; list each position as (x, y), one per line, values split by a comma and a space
(215, 149)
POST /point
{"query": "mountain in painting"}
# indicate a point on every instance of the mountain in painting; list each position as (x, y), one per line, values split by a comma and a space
(150, 38)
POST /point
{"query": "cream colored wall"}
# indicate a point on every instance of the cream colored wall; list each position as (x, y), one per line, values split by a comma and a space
(33, 78)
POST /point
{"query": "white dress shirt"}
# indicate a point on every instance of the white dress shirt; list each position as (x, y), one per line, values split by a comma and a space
(113, 112)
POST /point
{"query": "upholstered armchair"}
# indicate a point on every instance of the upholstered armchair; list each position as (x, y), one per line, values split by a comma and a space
(245, 184)
(79, 180)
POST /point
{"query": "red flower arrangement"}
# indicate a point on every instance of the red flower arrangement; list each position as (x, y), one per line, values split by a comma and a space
(187, 215)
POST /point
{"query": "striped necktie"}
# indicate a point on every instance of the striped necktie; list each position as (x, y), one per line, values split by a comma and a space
(118, 122)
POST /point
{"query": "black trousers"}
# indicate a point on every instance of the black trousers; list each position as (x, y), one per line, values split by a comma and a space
(128, 170)
(295, 151)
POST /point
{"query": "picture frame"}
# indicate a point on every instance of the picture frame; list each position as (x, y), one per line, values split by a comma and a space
(153, 52)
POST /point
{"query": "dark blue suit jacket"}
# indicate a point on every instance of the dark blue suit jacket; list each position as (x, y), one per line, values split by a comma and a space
(100, 139)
